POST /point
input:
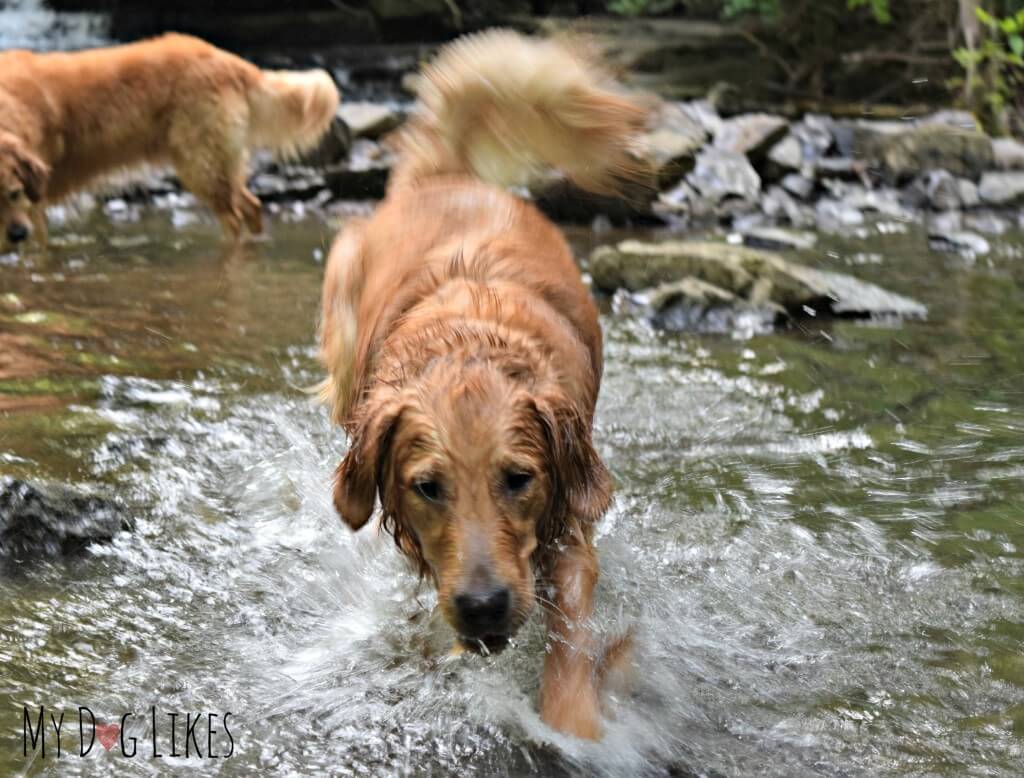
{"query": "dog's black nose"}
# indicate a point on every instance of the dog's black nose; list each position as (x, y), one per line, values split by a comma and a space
(483, 611)
(16, 233)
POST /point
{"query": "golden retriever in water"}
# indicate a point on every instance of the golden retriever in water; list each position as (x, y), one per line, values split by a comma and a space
(68, 120)
(464, 352)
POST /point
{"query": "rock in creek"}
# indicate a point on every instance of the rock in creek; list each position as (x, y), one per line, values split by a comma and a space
(960, 241)
(52, 520)
(778, 239)
(751, 134)
(1009, 154)
(369, 120)
(671, 144)
(1005, 189)
(754, 278)
(902, 155)
(720, 174)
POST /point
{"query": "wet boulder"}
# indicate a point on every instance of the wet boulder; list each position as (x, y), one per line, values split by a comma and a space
(778, 239)
(901, 155)
(720, 174)
(941, 191)
(960, 241)
(751, 134)
(671, 144)
(1008, 153)
(333, 148)
(753, 277)
(369, 120)
(1003, 188)
(51, 520)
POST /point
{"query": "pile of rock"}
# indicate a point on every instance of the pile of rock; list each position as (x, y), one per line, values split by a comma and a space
(748, 170)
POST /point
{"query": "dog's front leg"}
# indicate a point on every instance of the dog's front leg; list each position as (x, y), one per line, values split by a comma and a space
(569, 694)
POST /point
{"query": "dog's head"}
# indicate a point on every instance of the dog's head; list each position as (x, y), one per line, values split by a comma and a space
(23, 178)
(478, 471)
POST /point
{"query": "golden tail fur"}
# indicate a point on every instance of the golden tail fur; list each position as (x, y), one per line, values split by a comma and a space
(500, 107)
(504, 107)
(291, 110)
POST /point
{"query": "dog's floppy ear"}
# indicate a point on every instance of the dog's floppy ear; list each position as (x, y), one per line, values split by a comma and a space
(581, 483)
(33, 173)
(357, 478)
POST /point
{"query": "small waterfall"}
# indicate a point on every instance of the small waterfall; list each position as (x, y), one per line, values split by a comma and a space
(31, 24)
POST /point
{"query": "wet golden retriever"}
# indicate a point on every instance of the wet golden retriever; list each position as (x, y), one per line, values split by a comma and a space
(69, 120)
(464, 352)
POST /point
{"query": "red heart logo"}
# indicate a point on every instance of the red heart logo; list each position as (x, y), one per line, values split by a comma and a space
(107, 733)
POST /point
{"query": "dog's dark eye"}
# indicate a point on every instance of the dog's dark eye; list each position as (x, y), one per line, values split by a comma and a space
(428, 489)
(14, 194)
(517, 481)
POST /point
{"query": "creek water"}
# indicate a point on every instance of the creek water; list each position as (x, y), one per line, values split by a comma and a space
(817, 536)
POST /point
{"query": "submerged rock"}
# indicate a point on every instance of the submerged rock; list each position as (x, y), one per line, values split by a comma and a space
(52, 520)
(750, 276)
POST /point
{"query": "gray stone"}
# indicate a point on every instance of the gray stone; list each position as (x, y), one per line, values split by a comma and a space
(704, 114)
(333, 148)
(816, 134)
(778, 239)
(719, 174)
(940, 190)
(751, 134)
(39, 519)
(834, 215)
(945, 222)
(960, 241)
(949, 117)
(845, 168)
(787, 153)
(987, 222)
(1009, 154)
(369, 120)
(778, 204)
(755, 277)
(901, 156)
(798, 185)
(968, 193)
(1006, 189)
(671, 144)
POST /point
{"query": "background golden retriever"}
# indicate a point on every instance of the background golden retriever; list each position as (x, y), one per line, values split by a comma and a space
(67, 120)
(464, 352)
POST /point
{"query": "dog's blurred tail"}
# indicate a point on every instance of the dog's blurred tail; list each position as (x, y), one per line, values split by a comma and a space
(290, 110)
(505, 108)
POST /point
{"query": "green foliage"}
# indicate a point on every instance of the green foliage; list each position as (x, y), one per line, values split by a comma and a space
(879, 9)
(995, 69)
(642, 7)
(767, 9)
